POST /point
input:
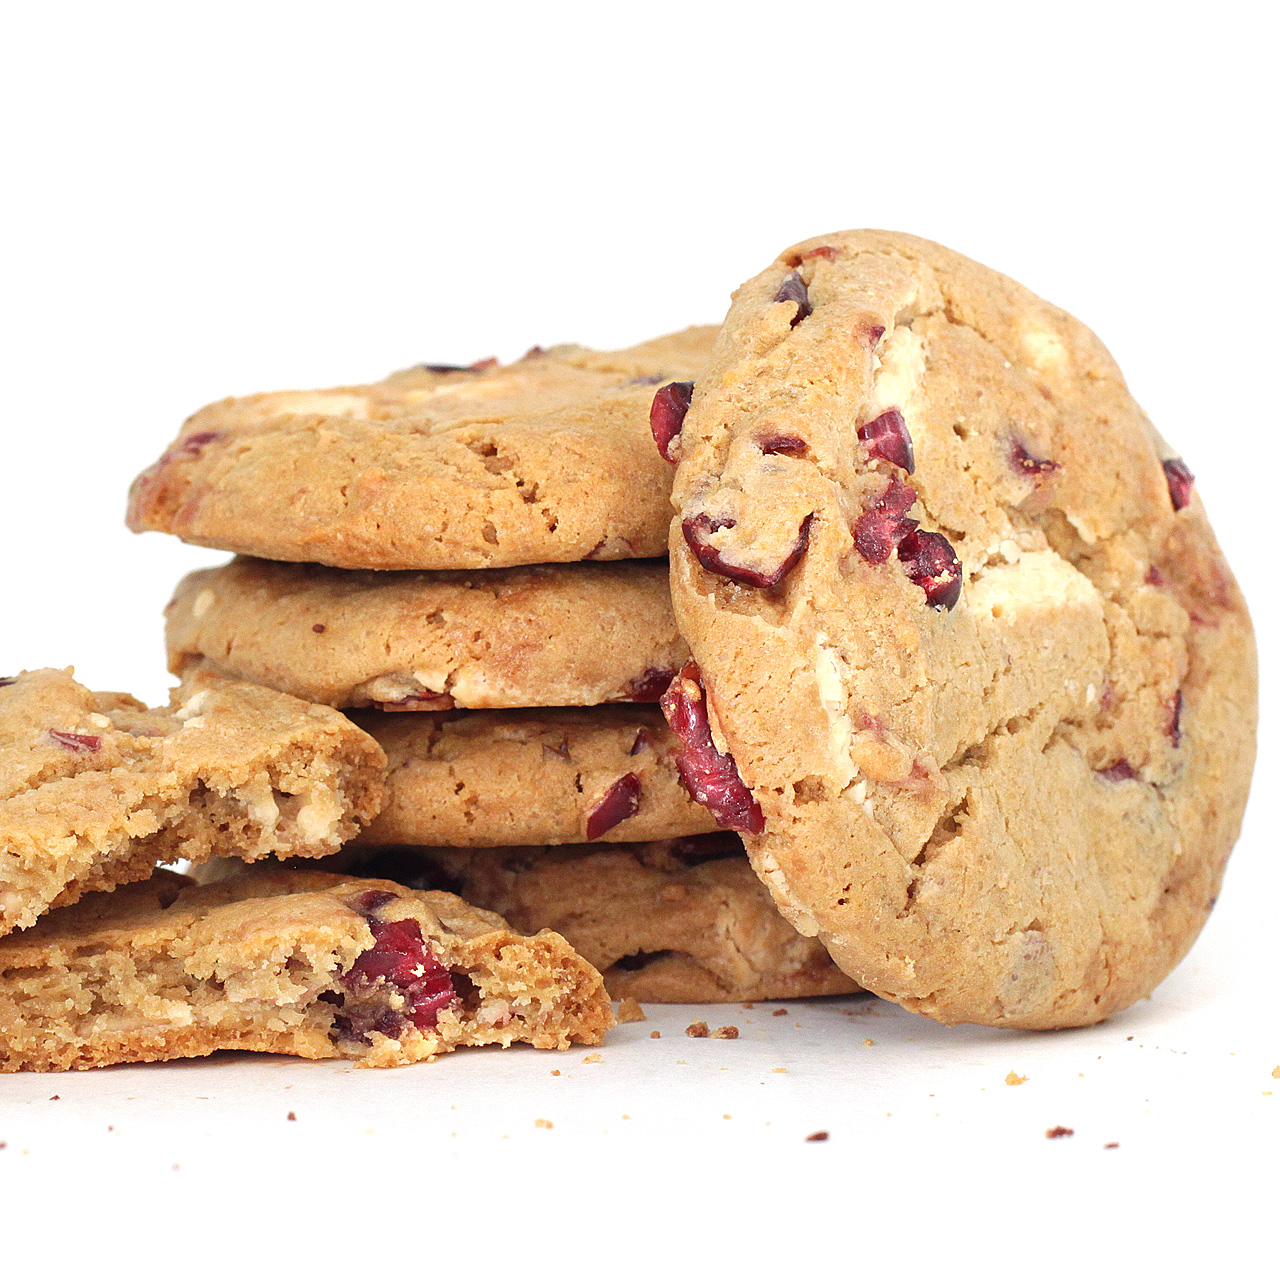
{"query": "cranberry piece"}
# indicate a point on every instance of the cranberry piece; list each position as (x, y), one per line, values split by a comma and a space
(372, 901)
(872, 333)
(887, 437)
(696, 528)
(1121, 771)
(644, 740)
(932, 564)
(828, 251)
(618, 804)
(709, 775)
(794, 289)
(666, 415)
(1180, 480)
(420, 702)
(7, 680)
(1174, 725)
(399, 958)
(1027, 463)
(650, 686)
(792, 446)
(83, 744)
(195, 444)
(879, 529)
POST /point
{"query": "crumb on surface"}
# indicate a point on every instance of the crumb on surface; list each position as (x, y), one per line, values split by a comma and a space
(697, 1030)
(725, 1033)
(1110, 1146)
(780, 1013)
(555, 1071)
(543, 1124)
(655, 1035)
(629, 1010)
(1059, 1131)
(748, 1004)
(726, 1116)
(820, 1136)
(868, 1043)
(1014, 1078)
(777, 1071)
(1275, 1072)
(593, 1057)
(291, 1116)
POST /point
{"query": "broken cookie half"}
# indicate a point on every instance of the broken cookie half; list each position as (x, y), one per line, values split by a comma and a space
(284, 961)
(96, 790)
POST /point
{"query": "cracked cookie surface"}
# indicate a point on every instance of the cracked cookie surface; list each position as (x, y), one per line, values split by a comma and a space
(96, 790)
(547, 459)
(284, 961)
(538, 636)
(670, 921)
(555, 776)
(964, 631)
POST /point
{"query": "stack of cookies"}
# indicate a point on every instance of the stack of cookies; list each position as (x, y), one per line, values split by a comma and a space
(482, 595)
(943, 690)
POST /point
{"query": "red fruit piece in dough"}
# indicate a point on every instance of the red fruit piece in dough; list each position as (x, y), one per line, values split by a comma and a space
(617, 805)
(649, 686)
(709, 775)
(1026, 463)
(696, 528)
(83, 744)
(932, 564)
(788, 445)
(887, 437)
(667, 413)
(1180, 481)
(879, 529)
(794, 289)
(1121, 771)
(401, 959)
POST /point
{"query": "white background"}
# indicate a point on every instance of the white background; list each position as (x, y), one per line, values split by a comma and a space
(211, 199)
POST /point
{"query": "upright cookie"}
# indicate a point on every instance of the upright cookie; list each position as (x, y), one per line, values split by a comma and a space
(965, 635)
(671, 921)
(542, 636)
(547, 459)
(298, 962)
(95, 790)
(531, 777)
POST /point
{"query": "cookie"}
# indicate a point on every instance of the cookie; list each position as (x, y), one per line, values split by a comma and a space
(555, 776)
(279, 961)
(547, 459)
(550, 635)
(979, 685)
(95, 790)
(674, 921)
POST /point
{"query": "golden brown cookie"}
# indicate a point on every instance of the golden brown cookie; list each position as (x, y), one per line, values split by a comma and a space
(965, 635)
(530, 777)
(279, 961)
(547, 635)
(547, 459)
(674, 921)
(95, 790)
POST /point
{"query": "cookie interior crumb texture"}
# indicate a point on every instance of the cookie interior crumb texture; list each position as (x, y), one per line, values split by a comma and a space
(964, 631)
(96, 790)
(549, 459)
(280, 961)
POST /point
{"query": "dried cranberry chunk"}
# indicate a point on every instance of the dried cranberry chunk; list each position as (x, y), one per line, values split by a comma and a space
(667, 413)
(617, 805)
(887, 437)
(791, 446)
(1121, 771)
(1180, 480)
(1021, 460)
(879, 529)
(195, 444)
(7, 680)
(83, 744)
(931, 563)
(709, 775)
(1174, 724)
(828, 251)
(794, 289)
(695, 529)
(650, 686)
(400, 958)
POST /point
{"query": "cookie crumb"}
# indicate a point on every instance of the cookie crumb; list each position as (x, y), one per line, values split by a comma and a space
(698, 1030)
(629, 1010)
(1128, 1037)
(779, 1013)
(555, 1071)
(777, 1071)
(821, 1136)
(593, 1057)
(57, 1097)
(1275, 1072)
(1110, 1146)
(1014, 1078)
(291, 1116)
(748, 1004)
(543, 1124)
(1059, 1131)
(655, 1035)
(868, 1043)
(726, 1116)
(725, 1033)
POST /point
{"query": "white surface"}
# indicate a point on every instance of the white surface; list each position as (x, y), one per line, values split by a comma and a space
(205, 200)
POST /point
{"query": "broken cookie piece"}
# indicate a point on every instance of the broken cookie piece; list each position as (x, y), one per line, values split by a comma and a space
(96, 790)
(284, 961)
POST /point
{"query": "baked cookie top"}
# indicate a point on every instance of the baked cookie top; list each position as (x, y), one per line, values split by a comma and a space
(964, 631)
(551, 776)
(95, 789)
(546, 459)
(284, 961)
(538, 636)
(674, 921)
